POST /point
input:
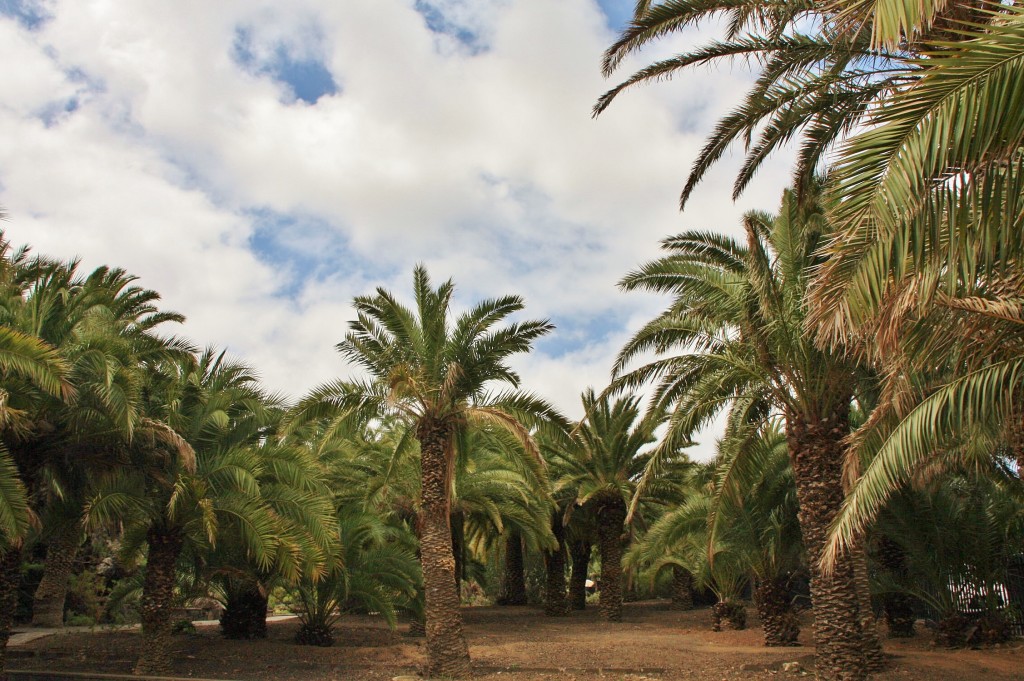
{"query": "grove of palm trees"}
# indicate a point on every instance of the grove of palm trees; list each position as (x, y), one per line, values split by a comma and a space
(428, 511)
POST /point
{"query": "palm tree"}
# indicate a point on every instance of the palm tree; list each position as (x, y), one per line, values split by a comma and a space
(754, 511)
(433, 372)
(31, 372)
(374, 569)
(734, 335)
(958, 535)
(103, 326)
(191, 468)
(296, 491)
(602, 466)
(496, 497)
(929, 238)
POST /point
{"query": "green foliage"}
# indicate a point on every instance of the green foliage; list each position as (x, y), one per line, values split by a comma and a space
(375, 570)
(185, 626)
(959, 534)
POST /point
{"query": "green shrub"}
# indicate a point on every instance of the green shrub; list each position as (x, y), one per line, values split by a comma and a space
(80, 621)
(183, 627)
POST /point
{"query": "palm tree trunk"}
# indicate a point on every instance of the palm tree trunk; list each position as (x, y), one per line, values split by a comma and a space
(48, 605)
(611, 515)
(447, 652)
(897, 606)
(10, 576)
(728, 614)
(513, 587)
(458, 550)
(816, 453)
(245, 612)
(682, 589)
(780, 625)
(872, 644)
(157, 599)
(579, 551)
(555, 602)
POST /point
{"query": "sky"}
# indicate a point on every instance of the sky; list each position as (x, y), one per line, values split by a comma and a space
(261, 162)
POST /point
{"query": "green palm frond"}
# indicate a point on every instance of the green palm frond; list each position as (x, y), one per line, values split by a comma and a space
(937, 180)
(34, 360)
(955, 411)
(15, 513)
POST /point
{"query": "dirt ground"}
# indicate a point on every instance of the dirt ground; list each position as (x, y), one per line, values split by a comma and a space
(517, 644)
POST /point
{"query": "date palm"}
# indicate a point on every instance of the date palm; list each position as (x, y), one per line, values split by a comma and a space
(734, 335)
(31, 372)
(602, 466)
(103, 325)
(434, 371)
(754, 512)
(191, 470)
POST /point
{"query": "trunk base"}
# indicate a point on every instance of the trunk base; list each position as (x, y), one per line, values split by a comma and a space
(245, 614)
(10, 575)
(682, 589)
(728, 615)
(781, 627)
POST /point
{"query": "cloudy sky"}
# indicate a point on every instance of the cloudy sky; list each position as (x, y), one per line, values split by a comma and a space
(261, 162)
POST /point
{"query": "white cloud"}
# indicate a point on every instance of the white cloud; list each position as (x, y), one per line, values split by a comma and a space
(480, 160)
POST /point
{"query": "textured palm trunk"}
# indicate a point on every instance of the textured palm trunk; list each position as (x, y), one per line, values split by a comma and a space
(458, 550)
(157, 599)
(897, 606)
(873, 655)
(611, 516)
(556, 604)
(816, 454)
(245, 612)
(728, 614)
(10, 575)
(48, 604)
(513, 586)
(682, 589)
(579, 552)
(447, 652)
(417, 627)
(781, 627)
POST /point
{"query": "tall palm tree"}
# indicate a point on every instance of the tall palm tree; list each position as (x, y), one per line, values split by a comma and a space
(734, 335)
(433, 371)
(602, 467)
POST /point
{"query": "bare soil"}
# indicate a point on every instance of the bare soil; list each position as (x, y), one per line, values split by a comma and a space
(517, 644)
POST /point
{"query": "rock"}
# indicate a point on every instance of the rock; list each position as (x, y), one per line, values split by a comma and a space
(791, 667)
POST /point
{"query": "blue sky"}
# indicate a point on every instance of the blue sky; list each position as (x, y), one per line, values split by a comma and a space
(261, 162)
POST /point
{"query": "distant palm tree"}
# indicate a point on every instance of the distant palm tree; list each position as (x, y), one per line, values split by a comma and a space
(602, 466)
(433, 371)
